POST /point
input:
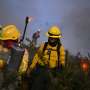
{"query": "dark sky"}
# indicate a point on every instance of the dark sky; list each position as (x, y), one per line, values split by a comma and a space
(73, 16)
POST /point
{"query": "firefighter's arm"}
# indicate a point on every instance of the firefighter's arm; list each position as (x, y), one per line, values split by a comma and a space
(37, 56)
(34, 61)
(62, 56)
(24, 64)
(33, 64)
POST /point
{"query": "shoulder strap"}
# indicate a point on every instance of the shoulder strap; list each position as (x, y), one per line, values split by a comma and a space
(58, 53)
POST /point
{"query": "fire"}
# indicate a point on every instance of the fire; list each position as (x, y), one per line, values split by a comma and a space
(85, 66)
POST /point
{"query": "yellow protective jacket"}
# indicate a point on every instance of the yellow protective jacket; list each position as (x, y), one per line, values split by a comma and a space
(42, 59)
(24, 64)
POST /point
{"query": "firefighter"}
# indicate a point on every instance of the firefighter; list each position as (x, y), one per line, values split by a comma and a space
(49, 57)
(9, 37)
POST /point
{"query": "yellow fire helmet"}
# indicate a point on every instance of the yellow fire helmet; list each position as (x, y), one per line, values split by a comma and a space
(10, 32)
(54, 32)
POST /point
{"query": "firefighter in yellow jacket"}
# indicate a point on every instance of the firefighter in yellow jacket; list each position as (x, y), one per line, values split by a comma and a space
(50, 54)
(10, 36)
(42, 58)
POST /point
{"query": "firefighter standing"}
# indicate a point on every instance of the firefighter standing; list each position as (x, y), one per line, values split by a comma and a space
(10, 36)
(49, 57)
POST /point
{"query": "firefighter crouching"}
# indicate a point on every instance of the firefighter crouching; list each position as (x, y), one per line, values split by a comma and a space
(50, 57)
(9, 37)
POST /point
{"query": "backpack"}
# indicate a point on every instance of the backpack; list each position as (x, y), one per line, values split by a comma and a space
(58, 52)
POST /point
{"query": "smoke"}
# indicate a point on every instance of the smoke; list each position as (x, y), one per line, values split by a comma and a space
(73, 16)
(78, 24)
